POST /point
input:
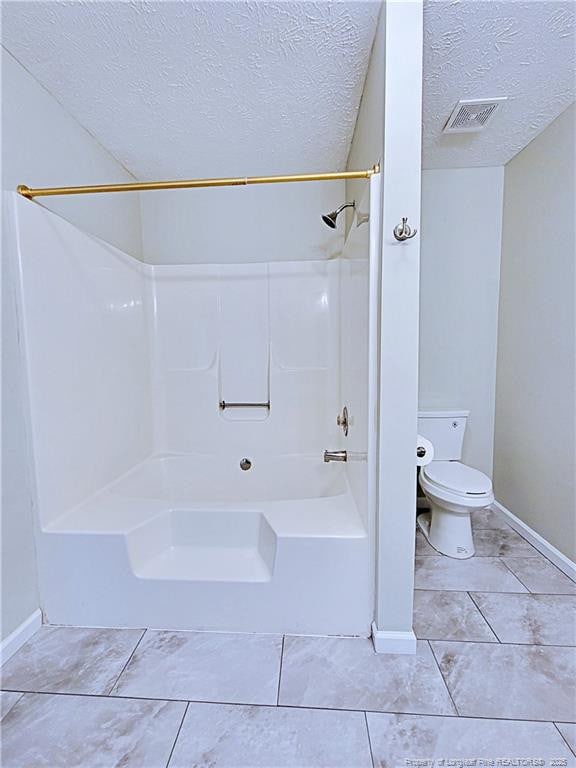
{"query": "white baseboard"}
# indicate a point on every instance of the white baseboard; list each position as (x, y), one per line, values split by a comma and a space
(538, 542)
(386, 641)
(21, 634)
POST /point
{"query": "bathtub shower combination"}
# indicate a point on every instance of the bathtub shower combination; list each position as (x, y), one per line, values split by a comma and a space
(179, 417)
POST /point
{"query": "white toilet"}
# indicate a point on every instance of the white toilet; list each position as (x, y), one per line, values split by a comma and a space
(453, 489)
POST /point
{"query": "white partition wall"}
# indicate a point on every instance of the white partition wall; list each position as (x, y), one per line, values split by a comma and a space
(399, 328)
(388, 131)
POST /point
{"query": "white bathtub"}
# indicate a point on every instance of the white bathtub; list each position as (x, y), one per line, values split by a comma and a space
(207, 478)
(239, 547)
(133, 358)
(222, 522)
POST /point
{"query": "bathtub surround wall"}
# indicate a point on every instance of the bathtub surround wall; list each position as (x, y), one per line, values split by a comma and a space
(459, 283)
(283, 350)
(534, 450)
(61, 152)
(85, 323)
(140, 490)
(355, 358)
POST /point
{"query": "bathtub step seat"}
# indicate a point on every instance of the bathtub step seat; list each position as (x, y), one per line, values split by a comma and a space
(202, 545)
(204, 563)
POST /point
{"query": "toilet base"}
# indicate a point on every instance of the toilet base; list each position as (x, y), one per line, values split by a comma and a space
(450, 533)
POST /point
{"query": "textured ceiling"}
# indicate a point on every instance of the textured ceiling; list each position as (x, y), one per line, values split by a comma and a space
(176, 89)
(481, 48)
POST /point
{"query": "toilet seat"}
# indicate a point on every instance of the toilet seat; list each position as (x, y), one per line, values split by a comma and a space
(455, 478)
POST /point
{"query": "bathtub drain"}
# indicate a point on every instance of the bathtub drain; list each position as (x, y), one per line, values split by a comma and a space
(245, 464)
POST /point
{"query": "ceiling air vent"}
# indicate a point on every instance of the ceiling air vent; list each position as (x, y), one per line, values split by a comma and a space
(472, 115)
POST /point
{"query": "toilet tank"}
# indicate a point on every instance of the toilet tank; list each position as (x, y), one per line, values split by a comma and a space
(445, 430)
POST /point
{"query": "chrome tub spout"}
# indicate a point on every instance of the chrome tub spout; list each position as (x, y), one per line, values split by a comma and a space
(335, 456)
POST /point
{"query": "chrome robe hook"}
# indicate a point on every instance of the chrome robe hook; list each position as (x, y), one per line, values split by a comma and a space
(404, 231)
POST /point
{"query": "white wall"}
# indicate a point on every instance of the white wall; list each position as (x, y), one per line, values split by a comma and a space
(43, 146)
(271, 222)
(367, 143)
(536, 382)
(459, 279)
(19, 579)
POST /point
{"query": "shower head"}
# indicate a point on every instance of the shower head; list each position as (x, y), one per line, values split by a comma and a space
(330, 218)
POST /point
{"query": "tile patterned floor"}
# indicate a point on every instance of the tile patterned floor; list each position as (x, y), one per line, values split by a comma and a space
(345, 673)
(204, 666)
(494, 678)
(71, 660)
(261, 737)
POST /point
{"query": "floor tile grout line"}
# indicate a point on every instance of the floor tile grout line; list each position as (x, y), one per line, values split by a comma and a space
(533, 557)
(564, 738)
(292, 706)
(486, 557)
(504, 645)
(280, 671)
(468, 593)
(101, 696)
(369, 739)
(538, 551)
(505, 564)
(115, 683)
(529, 595)
(478, 556)
(443, 678)
(527, 542)
(4, 714)
(486, 528)
(485, 619)
(498, 592)
(178, 733)
(556, 567)
(495, 642)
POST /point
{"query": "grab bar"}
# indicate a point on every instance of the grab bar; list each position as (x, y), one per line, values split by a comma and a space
(224, 405)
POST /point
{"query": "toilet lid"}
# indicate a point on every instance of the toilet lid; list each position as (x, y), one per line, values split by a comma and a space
(455, 476)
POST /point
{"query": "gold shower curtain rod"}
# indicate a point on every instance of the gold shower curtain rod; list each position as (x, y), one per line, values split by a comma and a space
(145, 186)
